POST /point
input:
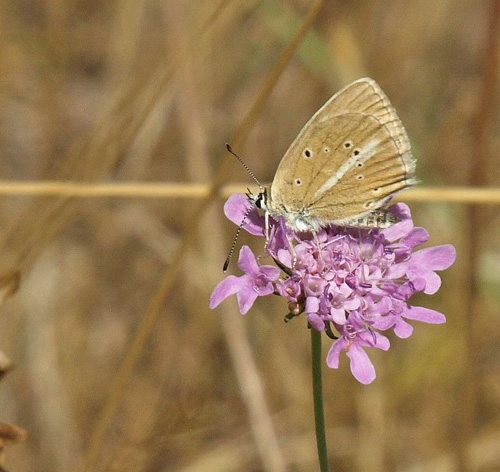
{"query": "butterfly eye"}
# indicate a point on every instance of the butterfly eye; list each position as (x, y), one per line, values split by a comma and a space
(355, 152)
(326, 149)
(359, 164)
(298, 182)
(360, 177)
(307, 154)
(348, 144)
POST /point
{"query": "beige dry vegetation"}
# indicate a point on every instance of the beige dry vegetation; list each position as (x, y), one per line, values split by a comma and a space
(119, 364)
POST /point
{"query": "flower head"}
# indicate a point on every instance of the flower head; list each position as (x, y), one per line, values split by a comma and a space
(351, 281)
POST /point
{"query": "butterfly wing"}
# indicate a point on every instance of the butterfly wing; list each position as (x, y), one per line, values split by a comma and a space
(347, 161)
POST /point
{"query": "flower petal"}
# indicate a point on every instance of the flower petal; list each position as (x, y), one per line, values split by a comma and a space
(289, 289)
(385, 322)
(400, 210)
(229, 286)
(416, 237)
(402, 329)
(432, 283)
(333, 356)
(237, 206)
(246, 298)
(419, 313)
(435, 258)
(361, 365)
(374, 339)
(277, 237)
(247, 261)
(271, 272)
(315, 321)
(312, 305)
(398, 230)
(338, 315)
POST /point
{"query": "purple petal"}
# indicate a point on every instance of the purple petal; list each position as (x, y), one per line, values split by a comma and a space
(277, 237)
(432, 283)
(312, 305)
(402, 329)
(426, 315)
(315, 321)
(434, 258)
(416, 237)
(400, 210)
(262, 288)
(229, 286)
(361, 365)
(235, 209)
(271, 272)
(352, 303)
(385, 322)
(383, 306)
(398, 230)
(246, 298)
(419, 283)
(285, 257)
(247, 261)
(398, 270)
(333, 356)
(338, 315)
(374, 339)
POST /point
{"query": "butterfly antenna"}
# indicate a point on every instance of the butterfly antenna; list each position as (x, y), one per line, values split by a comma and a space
(230, 149)
(233, 246)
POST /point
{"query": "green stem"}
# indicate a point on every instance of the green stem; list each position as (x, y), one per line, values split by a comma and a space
(319, 417)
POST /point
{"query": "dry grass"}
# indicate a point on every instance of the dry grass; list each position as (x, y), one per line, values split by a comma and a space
(119, 364)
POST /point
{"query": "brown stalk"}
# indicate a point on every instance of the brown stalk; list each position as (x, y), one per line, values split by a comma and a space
(195, 190)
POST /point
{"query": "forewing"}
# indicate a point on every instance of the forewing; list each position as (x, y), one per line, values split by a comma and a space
(370, 174)
(352, 167)
(366, 96)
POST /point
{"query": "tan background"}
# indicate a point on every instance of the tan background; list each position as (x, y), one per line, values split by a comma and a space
(149, 91)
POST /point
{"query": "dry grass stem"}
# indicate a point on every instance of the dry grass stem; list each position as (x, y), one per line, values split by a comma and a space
(478, 195)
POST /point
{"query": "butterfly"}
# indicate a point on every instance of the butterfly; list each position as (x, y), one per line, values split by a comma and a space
(344, 166)
(342, 169)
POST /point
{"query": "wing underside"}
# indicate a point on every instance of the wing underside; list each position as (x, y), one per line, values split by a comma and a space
(348, 160)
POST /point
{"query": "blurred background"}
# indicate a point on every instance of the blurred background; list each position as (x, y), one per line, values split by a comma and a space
(119, 363)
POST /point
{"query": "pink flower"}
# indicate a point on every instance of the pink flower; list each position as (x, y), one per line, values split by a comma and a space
(356, 282)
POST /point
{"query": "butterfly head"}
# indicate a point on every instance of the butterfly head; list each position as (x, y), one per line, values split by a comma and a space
(261, 199)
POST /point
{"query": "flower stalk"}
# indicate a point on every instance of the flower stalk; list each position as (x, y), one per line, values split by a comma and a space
(319, 417)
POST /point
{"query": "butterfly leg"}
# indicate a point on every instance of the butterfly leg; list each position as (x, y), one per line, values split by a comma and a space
(266, 234)
(266, 221)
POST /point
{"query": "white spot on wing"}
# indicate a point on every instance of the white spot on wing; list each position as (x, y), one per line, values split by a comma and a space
(364, 154)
